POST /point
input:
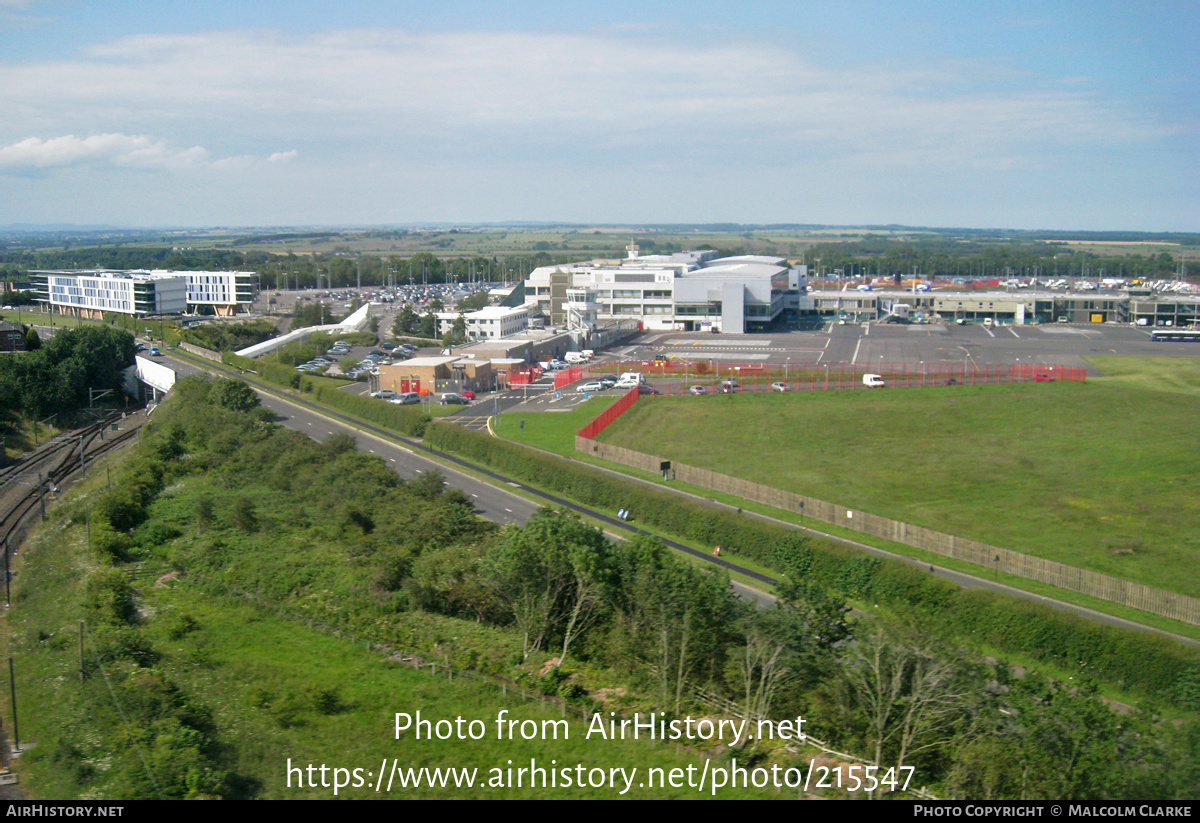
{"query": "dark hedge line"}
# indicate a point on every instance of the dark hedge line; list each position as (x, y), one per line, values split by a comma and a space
(405, 420)
(400, 419)
(1134, 660)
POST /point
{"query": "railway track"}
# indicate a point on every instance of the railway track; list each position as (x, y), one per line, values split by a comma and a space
(27, 486)
(25, 489)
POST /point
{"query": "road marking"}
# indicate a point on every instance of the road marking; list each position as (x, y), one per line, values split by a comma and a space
(1014, 333)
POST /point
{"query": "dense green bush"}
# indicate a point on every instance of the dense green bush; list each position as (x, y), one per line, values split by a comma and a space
(108, 598)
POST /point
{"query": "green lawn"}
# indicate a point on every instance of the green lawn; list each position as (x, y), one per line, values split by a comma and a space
(1099, 475)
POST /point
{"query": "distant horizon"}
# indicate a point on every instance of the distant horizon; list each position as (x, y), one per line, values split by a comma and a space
(725, 226)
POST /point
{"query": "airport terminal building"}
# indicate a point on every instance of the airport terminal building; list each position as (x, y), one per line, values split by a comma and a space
(687, 291)
(139, 292)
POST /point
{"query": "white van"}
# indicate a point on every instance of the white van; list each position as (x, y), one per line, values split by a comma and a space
(630, 379)
(873, 381)
(575, 357)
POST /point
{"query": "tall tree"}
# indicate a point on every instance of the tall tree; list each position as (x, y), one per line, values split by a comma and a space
(551, 575)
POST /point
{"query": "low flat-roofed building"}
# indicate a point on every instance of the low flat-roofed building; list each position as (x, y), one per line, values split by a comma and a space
(488, 323)
(436, 375)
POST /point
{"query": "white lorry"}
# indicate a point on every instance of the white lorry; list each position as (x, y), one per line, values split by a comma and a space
(873, 381)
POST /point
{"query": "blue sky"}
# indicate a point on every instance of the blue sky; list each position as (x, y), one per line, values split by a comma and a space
(1032, 115)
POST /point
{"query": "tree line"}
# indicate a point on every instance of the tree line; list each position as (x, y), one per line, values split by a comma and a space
(55, 378)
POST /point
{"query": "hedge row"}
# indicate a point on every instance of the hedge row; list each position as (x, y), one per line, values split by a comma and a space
(1139, 661)
(405, 420)
(401, 419)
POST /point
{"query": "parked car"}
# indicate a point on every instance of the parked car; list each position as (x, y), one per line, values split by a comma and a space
(730, 386)
(384, 394)
(154, 352)
(608, 380)
(646, 388)
(780, 386)
(408, 398)
(594, 385)
(698, 389)
(454, 400)
(467, 393)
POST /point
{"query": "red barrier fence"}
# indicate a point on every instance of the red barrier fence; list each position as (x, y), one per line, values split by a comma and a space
(524, 376)
(610, 414)
(567, 376)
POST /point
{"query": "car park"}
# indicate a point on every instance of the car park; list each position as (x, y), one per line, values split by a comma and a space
(594, 385)
(780, 386)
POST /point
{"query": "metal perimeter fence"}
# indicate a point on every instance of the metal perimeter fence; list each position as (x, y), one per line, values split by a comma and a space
(1112, 589)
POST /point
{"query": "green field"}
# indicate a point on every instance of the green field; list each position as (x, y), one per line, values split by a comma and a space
(1098, 475)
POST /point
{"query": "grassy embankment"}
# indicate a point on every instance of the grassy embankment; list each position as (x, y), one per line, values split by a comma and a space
(215, 684)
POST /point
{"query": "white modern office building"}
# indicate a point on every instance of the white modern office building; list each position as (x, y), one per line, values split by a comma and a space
(488, 323)
(140, 292)
(92, 293)
(688, 291)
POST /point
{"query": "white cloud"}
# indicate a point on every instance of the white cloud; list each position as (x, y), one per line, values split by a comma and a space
(115, 149)
(118, 150)
(464, 91)
(379, 114)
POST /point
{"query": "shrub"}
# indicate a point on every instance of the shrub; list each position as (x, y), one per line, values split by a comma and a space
(108, 598)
